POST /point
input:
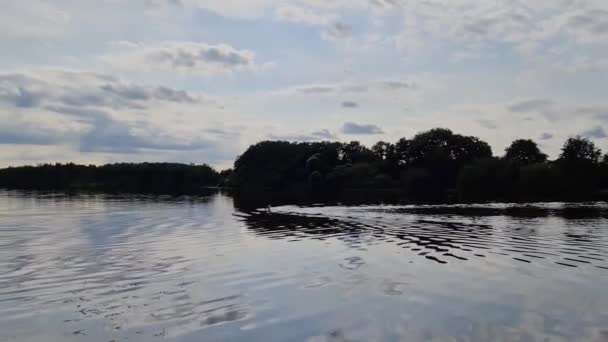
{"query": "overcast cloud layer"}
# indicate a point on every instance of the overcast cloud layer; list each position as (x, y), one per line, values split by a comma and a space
(199, 80)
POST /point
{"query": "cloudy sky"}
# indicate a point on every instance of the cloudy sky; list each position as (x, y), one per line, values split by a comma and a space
(95, 81)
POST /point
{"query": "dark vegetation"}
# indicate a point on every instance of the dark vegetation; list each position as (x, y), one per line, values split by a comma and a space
(433, 166)
(163, 178)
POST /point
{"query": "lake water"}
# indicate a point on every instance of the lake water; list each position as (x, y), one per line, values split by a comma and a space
(111, 268)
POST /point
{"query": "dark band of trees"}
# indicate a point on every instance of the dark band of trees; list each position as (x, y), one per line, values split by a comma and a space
(161, 178)
(433, 166)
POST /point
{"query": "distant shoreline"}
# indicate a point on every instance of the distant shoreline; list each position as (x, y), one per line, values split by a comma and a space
(435, 166)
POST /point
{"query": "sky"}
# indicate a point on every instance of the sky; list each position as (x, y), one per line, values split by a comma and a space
(198, 81)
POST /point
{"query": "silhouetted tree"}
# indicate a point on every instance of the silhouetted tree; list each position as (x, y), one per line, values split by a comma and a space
(272, 164)
(353, 152)
(603, 182)
(578, 151)
(442, 154)
(383, 150)
(416, 184)
(579, 162)
(282, 165)
(402, 148)
(539, 182)
(226, 178)
(525, 152)
(442, 144)
(487, 179)
(353, 176)
(386, 155)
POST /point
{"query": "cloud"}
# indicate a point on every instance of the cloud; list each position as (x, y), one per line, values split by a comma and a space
(331, 27)
(555, 111)
(530, 106)
(301, 15)
(384, 4)
(159, 4)
(547, 108)
(337, 30)
(254, 9)
(360, 129)
(235, 8)
(531, 30)
(602, 117)
(106, 134)
(32, 19)
(118, 137)
(489, 124)
(546, 136)
(84, 89)
(350, 104)
(597, 112)
(469, 22)
(316, 90)
(324, 134)
(130, 92)
(321, 135)
(19, 95)
(352, 87)
(595, 133)
(183, 56)
(585, 24)
(89, 110)
(27, 134)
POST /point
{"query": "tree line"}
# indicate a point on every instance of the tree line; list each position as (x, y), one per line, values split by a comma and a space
(167, 178)
(433, 166)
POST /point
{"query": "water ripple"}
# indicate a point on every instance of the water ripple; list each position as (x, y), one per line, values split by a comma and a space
(111, 268)
(443, 239)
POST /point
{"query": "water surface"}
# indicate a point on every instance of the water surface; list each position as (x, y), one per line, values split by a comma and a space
(117, 268)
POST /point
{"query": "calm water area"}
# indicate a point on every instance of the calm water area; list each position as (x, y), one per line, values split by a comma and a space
(149, 268)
